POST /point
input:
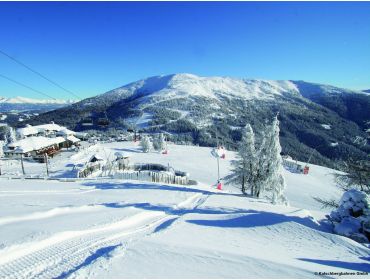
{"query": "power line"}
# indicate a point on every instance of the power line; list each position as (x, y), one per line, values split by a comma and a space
(39, 74)
(28, 87)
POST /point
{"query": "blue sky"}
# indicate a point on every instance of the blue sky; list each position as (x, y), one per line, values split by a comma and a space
(93, 47)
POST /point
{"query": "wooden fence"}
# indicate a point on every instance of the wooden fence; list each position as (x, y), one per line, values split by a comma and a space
(152, 176)
(89, 169)
(143, 172)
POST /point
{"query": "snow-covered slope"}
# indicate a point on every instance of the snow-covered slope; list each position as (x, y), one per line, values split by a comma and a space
(189, 85)
(101, 228)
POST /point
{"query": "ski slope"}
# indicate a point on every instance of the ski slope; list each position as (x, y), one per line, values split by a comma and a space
(105, 228)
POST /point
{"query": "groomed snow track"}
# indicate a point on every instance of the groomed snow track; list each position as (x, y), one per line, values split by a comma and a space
(64, 253)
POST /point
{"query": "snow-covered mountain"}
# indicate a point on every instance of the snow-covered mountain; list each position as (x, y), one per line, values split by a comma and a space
(26, 100)
(192, 108)
(189, 85)
(19, 106)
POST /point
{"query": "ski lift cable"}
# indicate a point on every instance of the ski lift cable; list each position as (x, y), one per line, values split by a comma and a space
(25, 86)
(39, 74)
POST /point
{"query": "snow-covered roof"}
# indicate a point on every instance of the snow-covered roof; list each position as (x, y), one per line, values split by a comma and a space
(49, 127)
(34, 143)
(28, 130)
(96, 157)
(121, 155)
(66, 131)
(81, 134)
(31, 130)
(73, 139)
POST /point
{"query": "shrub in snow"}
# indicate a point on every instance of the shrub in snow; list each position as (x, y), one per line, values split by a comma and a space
(145, 144)
(159, 143)
(352, 217)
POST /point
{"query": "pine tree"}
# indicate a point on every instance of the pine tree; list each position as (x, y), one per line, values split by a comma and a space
(2, 145)
(11, 136)
(145, 144)
(356, 175)
(260, 169)
(244, 167)
(271, 167)
(159, 143)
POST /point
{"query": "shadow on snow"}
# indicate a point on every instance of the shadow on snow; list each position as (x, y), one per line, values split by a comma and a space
(255, 218)
(248, 218)
(364, 267)
(102, 252)
(140, 186)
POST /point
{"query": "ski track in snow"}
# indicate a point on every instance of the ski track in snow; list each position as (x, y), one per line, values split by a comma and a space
(192, 202)
(26, 193)
(64, 253)
(50, 213)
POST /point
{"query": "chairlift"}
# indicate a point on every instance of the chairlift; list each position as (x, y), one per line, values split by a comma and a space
(103, 121)
(87, 122)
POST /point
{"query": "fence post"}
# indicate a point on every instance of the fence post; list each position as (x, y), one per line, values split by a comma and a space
(46, 163)
(22, 165)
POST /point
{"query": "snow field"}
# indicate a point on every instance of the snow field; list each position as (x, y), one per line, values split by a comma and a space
(107, 228)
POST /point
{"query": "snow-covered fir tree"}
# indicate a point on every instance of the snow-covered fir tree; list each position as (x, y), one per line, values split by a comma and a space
(145, 144)
(245, 166)
(11, 135)
(159, 143)
(2, 145)
(271, 165)
(260, 169)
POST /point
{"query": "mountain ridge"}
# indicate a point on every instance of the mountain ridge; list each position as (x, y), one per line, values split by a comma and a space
(195, 109)
(27, 100)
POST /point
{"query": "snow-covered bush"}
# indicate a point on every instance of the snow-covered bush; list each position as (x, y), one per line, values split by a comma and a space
(145, 144)
(159, 143)
(352, 217)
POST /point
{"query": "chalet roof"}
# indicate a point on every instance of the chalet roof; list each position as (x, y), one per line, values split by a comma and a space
(49, 127)
(34, 143)
(96, 157)
(73, 139)
(28, 130)
(81, 134)
(121, 155)
(31, 130)
(65, 131)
